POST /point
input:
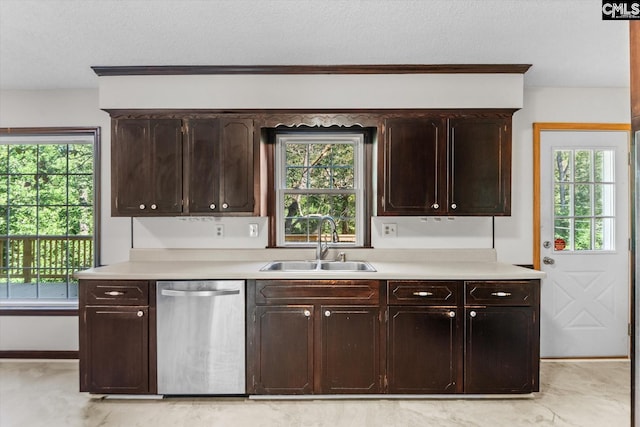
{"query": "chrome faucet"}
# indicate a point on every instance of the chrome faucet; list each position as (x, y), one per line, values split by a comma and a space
(320, 249)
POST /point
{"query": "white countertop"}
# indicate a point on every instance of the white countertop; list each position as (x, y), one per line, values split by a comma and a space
(407, 264)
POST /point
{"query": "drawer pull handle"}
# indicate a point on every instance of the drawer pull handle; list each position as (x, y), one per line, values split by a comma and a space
(423, 294)
(114, 293)
(501, 294)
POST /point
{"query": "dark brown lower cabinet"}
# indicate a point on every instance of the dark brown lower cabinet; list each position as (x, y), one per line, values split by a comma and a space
(502, 336)
(117, 349)
(483, 340)
(328, 344)
(499, 350)
(114, 337)
(350, 349)
(283, 355)
(425, 353)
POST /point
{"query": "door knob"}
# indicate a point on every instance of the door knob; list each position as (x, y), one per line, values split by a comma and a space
(548, 261)
(546, 244)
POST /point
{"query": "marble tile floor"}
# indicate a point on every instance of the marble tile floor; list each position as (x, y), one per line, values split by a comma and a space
(574, 393)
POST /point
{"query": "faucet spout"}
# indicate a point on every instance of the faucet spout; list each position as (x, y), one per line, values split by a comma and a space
(321, 249)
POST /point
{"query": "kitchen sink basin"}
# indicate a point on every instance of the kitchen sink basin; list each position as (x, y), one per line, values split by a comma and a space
(318, 266)
(290, 266)
(346, 266)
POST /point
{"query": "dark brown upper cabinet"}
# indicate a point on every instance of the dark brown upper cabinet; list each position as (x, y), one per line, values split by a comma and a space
(445, 166)
(221, 165)
(172, 166)
(146, 167)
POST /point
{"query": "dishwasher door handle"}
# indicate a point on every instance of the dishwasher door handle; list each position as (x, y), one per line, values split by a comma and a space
(213, 293)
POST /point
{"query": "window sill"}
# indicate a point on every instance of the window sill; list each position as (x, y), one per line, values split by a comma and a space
(41, 308)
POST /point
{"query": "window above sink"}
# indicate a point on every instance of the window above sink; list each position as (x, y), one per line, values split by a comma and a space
(319, 172)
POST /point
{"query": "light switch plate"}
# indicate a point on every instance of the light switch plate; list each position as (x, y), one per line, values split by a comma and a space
(253, 230)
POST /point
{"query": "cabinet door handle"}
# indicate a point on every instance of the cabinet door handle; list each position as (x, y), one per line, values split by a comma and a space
(423, 293)
(212, 206)
(501, 294)
(225, 205)
(142, 206)
(473, 314)
(307, 313)
(154, 206)
(327, 313)
(140, 313)
(454, 206)
(435, 206)
(452, 314)
(114, 293)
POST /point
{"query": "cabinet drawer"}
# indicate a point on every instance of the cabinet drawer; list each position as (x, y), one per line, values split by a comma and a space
(114, 292)
(420, 292)
(312, 291)
(515, 293)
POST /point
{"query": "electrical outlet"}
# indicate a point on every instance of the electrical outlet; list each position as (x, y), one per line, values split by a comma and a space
(389, 230)
(219, 230)
(253, 230)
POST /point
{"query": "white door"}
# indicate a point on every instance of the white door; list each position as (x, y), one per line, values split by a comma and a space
(584, 221)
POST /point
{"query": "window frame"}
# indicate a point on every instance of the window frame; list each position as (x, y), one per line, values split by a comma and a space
(275, 179)
(68, 306)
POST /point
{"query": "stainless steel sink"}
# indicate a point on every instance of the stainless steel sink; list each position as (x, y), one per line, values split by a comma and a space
(318, 266)
(290, 266)
(346, 266)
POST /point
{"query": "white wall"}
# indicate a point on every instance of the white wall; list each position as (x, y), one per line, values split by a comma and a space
(513, 234)
(73, 108)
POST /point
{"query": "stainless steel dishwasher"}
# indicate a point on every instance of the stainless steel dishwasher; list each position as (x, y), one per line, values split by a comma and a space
(201, 337)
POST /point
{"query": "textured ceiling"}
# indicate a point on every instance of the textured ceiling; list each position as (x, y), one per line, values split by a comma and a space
(49, 44)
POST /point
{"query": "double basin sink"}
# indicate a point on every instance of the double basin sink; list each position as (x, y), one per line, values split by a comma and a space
(318, 266)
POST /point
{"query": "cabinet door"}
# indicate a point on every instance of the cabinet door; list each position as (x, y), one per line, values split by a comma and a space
(114, 349)
(283, 350)
(499, 350)
(479, 166)
(425, 350)
(202, 169)
(146, 167)
(130, 166)
(166, 160)
(412, 155)
(236, 165)
(350, 350)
